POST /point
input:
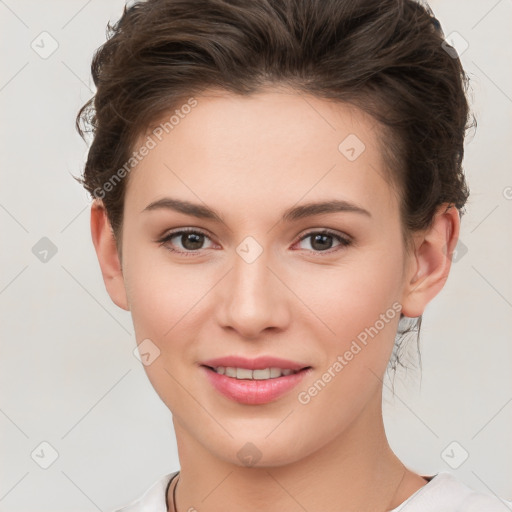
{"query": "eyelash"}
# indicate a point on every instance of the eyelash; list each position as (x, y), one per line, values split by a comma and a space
(344, 241)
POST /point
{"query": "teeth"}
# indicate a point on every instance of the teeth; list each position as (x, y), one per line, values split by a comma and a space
(245, 373)
(230, 372)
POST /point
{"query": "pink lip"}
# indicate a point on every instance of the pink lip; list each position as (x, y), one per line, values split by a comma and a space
(253, 392)
(254, 364)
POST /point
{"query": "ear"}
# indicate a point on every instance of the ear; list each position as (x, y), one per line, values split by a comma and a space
(108, 257)
(430, 264)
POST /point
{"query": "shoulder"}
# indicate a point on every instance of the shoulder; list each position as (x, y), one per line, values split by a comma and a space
(446, 493)
(153, 500)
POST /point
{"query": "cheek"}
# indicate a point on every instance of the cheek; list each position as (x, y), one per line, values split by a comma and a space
(359, 303)
(164, 304)
(352, 295)
(161, 293)
(363, 311)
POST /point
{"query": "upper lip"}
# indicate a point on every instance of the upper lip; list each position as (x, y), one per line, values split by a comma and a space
(258, 363)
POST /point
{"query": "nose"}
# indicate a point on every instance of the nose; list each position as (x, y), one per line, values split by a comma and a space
(252, 298)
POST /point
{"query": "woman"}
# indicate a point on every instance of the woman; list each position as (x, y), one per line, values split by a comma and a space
(277, 189)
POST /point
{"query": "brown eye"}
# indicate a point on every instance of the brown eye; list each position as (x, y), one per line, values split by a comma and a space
(322, 241)
(191, 241)
(186, 241)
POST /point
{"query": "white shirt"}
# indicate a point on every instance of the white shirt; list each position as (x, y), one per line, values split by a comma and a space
(444, 493)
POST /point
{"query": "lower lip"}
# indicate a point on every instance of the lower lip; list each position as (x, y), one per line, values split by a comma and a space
(254, 392)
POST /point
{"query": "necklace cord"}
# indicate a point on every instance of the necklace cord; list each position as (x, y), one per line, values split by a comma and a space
(173, 493)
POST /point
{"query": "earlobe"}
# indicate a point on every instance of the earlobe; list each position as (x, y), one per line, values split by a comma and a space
(431, 263)
(108, 257)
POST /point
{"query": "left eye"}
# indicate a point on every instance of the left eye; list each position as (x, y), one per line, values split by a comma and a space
(320, 240)
(192, 241)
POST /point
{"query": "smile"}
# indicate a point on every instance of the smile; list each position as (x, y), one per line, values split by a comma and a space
(246, 373)
(253, 387)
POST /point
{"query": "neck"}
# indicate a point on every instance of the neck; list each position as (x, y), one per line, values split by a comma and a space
(356, 470)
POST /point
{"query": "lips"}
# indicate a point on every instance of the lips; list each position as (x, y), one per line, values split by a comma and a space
(254, 392)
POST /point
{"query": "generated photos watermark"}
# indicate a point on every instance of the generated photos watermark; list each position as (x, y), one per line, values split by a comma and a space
(150, 143)
(361, 341)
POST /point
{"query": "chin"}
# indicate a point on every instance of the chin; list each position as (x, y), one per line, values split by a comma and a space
(260, 450)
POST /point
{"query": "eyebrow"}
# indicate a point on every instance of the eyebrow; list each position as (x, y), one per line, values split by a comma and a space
(291, 214)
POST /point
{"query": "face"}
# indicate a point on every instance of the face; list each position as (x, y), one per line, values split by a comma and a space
(321, 287)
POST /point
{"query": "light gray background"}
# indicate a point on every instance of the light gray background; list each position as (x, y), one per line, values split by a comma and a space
(68, 375)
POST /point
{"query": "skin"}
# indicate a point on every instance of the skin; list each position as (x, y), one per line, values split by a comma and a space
(251, 158)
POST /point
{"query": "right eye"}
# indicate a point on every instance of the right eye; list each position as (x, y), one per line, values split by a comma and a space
(191, 241)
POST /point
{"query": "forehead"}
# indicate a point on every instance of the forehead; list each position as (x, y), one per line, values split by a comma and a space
(269, 148)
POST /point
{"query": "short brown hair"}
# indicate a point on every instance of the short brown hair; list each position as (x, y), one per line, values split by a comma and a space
(386, 57)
